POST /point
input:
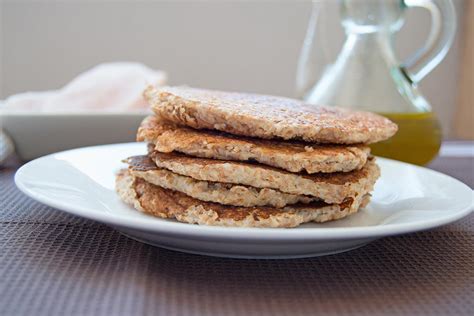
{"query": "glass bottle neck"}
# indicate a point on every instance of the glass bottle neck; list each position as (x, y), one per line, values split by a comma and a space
(368, 16)
(369, 45)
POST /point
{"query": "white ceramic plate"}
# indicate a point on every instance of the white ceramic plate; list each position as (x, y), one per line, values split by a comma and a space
(406, 199)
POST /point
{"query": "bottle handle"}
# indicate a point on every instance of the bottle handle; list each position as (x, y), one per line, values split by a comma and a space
(305, 75)
(443, 29)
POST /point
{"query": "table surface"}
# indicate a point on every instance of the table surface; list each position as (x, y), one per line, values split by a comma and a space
(52, 263)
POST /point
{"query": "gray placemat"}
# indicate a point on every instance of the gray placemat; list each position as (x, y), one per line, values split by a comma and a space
(52, 263)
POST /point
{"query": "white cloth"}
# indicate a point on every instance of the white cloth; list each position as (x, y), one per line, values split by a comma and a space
(6, 147)
(109, 87)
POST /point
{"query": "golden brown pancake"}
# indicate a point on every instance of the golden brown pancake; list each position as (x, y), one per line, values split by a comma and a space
(330, 187)
(288, 155)
(164, 203)
(224, 193)
(267, 117)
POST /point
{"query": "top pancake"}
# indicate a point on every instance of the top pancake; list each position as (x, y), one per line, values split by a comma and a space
(288, 155)
(267, 116)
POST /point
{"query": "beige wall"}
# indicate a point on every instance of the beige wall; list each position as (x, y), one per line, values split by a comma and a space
(251, 46)
(464, 116)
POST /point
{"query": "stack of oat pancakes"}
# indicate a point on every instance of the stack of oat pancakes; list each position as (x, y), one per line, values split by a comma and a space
(234, 159)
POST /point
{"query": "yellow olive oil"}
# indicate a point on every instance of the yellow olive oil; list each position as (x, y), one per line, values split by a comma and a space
(417, 141)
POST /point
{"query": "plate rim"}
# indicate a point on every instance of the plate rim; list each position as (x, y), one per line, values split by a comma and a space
(168, 227)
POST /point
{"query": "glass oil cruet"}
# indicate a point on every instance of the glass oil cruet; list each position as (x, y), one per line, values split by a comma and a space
(366, 74)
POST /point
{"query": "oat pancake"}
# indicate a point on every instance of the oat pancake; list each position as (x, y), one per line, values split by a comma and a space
(289, 155)
(164, 203)
(267, 116)
(330, 187)
(223, 193)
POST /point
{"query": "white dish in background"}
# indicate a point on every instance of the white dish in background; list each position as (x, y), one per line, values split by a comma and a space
(406, 199)
(101, 105)
(38, 134)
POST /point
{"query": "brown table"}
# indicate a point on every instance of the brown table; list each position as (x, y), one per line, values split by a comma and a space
(52, 263)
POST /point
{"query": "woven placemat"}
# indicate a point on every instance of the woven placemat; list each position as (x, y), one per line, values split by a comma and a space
(52, 263)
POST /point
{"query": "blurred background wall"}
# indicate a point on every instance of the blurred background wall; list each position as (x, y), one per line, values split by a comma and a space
(247, 46)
